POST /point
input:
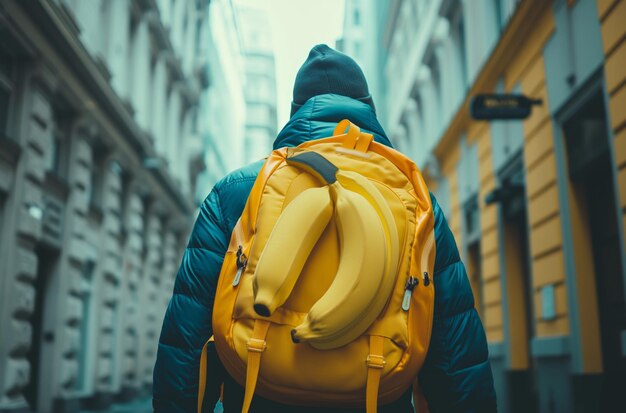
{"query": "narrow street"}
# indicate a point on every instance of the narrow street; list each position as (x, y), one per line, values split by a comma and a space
(135, 406)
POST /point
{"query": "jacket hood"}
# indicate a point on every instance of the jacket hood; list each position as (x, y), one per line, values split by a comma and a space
(319, 115)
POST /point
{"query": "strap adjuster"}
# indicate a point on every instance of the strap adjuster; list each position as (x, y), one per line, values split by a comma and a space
(375, 362)
(256, 345)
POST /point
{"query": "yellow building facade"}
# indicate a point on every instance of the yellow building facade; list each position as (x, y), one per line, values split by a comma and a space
(542, 230)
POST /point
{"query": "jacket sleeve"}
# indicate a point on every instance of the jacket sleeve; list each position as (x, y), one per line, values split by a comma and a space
(187, 323)
(456, 376)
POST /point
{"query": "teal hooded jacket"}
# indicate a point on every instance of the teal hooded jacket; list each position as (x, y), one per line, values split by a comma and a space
(456, 376)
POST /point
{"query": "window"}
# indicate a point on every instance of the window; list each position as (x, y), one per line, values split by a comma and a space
(462, 50)
(116, 168)
(258, 114)
(407, 25)
(507, 137)
(5, 99)
(194, 121)
(53, 160)
(1, 215)
(357, 49)
(471, 239)
(96, 178)
(420, 123)
(436, 97)
(171, 12)
(85, 322)
(93, 183)
(442, 194)
(6, 66)
(112, 333)
(6, 87)
(584, 149)
(459, 55)
(471, 215)
(57, 161)
(497, 7)
(198, 35)
(436, 79)
(103, 35)
(254, 91)
(503, 9)
(474, 274)
(415, 11)
(340, 45)
(468, 172)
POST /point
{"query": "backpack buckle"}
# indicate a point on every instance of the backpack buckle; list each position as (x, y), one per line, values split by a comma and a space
(256, 345)
(375, 362)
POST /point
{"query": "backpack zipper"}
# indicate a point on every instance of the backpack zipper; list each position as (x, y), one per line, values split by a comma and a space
(242, 261)
(412, 282)
(430, 243)
(410, 285)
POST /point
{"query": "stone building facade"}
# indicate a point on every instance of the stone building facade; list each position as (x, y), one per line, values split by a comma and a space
(100, 147)
(536, 205)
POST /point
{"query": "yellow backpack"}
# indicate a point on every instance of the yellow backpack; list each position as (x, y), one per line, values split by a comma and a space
(325, 297)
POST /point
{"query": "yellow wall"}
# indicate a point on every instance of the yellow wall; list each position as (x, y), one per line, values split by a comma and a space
(449, 170)
(491, 314)
(492, 288)
(612, 14)
(525, 67)
(544, 220)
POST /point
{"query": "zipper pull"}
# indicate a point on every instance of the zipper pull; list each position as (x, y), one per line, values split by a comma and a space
(408, 290)
(242, 261)
(426, 279)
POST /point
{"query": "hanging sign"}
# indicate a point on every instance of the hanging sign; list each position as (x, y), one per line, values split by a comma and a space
(502, 106)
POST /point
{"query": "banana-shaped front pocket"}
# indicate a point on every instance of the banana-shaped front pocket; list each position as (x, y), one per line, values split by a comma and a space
(294, 235)
(332, 320)
(369, 254)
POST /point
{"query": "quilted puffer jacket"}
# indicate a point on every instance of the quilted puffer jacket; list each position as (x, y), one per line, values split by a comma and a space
(456, 376)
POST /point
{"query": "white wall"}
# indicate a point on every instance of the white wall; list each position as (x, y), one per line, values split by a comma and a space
(433, 57)
(361, 42)
(225, 106)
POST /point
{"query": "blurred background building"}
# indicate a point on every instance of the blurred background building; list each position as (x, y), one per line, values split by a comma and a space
(223, 129)
(360, 41)
(536, 206)
(260, 80)
(116, 118)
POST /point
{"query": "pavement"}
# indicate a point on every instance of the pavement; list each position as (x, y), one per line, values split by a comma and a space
(137, 406)
(134, 406)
